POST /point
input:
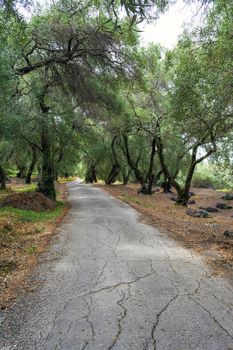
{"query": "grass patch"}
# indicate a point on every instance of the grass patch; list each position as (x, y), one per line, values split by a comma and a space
(136, 200)
(5, 193)
(7, 266)
(26, 188)
(31, 250)
(63, 180)
(29, 215)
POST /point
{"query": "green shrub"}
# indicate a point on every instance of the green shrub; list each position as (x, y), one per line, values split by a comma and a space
(214, 176)
(203, 181)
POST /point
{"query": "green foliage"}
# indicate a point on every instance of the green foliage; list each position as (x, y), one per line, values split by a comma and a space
(74, 77)
(203, 180)
(212, 176)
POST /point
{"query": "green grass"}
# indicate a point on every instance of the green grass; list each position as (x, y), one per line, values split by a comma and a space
(29, 215)
(7, 266)
(31, 250)
(26, 188)
(67, 179)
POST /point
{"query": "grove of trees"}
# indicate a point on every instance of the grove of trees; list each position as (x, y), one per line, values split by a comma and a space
(78, 91)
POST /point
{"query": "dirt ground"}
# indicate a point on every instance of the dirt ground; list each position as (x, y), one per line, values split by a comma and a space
(204, 236)
(23, 237)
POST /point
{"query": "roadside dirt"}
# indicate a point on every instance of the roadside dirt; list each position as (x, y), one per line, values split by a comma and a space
(205, 236)
(22, 240)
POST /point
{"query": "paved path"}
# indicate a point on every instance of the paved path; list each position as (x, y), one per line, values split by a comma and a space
(111, 282)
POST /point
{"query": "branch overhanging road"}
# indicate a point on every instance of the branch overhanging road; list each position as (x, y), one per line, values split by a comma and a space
(110, 282)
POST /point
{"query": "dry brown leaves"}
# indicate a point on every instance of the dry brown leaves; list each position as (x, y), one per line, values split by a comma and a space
(20, 245)
(205, 236)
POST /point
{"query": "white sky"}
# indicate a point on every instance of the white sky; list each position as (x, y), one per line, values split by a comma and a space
(167, 29)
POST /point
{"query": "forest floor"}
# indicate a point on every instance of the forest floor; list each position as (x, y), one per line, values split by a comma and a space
(203, 235)
(24, 235)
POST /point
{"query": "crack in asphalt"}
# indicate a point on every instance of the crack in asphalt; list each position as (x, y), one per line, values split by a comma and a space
(211, 316)
(89, 321)
(101, 272)
(85, 345)
(57, 314)
(222, 302)
(155, 325)
(112, 287)
(119, 321)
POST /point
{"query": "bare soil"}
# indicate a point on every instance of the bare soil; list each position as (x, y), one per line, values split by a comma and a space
(203, 235)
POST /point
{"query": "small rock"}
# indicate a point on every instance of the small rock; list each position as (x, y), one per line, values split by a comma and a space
(209, 209)
(197, 213)
(223, 206)
(156, 190)
(191, 201)
(228, 234)
(191, 194)
(212, 225)
(228, 197)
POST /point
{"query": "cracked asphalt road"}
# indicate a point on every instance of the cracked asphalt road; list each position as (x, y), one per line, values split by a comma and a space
(110, 282)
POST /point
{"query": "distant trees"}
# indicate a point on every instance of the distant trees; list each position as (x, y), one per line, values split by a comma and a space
(77, 88)
(179, 110)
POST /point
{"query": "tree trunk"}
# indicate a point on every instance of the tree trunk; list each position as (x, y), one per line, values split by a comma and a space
(147, 186)
(116, 168)
(32, 166)
(46, 185)
(164, 167)
(115, 171)
(183, 197)
(59, 160)
(157, 177)
(22, 172)
(2, 178)
(133, 165)
(150, 175)
(166, 185)
(125, 176)
(183, 194)
(91, 174)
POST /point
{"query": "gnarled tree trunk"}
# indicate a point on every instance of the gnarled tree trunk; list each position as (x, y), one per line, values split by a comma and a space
(183, 192)
(116, 168)
(125, 176)
(150, 174)
(21, 172)
(91, 174)
(2, 178)
(46, 185)
(32, 166)
(132, 164)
